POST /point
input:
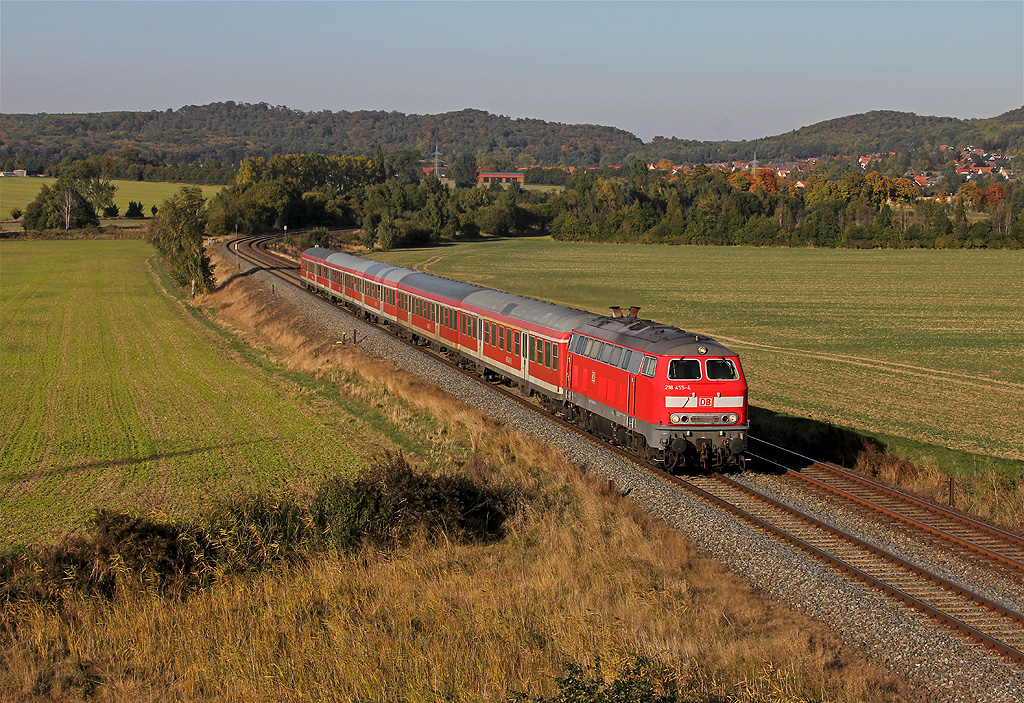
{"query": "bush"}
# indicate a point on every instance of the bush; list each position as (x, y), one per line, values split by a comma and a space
(385, 508)
(643, 681)
(134, 210)
(15, 212)
(111, 211)
(317, 237)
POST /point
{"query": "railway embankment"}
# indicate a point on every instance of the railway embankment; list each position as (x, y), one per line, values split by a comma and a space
(939, 664)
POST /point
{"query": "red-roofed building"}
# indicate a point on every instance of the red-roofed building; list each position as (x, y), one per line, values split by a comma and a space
(494, 177)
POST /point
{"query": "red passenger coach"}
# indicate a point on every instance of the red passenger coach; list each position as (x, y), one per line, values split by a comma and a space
(668, 395)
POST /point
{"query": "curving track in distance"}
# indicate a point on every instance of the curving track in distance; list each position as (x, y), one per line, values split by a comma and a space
(959, 608)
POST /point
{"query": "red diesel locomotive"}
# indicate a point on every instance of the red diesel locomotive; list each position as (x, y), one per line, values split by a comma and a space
(670, 396)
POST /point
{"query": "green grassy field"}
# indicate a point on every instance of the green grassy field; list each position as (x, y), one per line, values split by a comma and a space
(923, 345)
(19, 192)
(116, 395)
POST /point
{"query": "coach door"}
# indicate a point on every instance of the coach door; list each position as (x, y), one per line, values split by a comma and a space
(630, 393)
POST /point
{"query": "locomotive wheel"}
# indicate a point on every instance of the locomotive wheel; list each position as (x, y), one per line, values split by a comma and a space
(672, 461)
(640, 447)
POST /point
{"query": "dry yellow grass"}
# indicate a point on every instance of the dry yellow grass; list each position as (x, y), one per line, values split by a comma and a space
(581, 574)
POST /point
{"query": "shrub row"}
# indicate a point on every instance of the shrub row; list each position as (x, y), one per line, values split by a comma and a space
(384, 508)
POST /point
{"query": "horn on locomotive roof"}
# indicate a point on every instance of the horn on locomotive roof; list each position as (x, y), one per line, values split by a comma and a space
(634, 311)
(616, 311)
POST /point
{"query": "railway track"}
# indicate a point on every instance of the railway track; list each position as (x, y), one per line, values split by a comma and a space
(974, 616)
(973, 539)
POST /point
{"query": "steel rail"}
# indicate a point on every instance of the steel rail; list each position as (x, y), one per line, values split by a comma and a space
(254, 252)
(843, 566)
(1013, 541)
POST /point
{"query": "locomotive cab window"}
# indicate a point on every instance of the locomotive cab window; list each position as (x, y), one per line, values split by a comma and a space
(721, 370)
(684, 370)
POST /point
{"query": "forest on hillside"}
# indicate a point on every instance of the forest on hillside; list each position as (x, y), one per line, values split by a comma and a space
(222, 135)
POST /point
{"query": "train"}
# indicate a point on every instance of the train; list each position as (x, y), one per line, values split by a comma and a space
(675, 398)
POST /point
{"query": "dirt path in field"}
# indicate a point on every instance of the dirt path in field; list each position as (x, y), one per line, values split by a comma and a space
(427, 263)
(938, 375)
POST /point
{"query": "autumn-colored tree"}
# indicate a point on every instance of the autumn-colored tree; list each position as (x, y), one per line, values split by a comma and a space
(880, 188)
(993, 195)
(251, 170)
(971, 195)
(905, 190)
(766, 180)
(740, 180)
(665, 165)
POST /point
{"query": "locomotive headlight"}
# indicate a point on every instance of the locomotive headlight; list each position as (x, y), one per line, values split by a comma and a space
(676, 419)
(731, 418)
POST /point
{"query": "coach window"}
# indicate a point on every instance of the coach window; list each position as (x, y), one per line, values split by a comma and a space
(501, 338)
(721, 370)
(554, 356)
(517, 343)
(650, 366)
(508, 339)
(547, 353)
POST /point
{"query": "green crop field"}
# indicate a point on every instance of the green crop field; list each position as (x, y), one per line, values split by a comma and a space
(19, 192)
(116, 395)
(923, 345)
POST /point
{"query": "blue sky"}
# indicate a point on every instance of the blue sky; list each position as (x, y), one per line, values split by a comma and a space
(695, 70)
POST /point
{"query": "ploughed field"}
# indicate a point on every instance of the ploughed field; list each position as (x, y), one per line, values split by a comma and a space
(923, 345)
(114, 395)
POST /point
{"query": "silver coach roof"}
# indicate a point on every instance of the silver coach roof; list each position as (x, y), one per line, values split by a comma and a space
(319, 252)
(538, 312)
(653, 337)
(425, 282)
(367, 267)
(517, 307)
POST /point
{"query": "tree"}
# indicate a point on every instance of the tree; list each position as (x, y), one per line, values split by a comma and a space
(60, 206)
(92, 177)
(463, 171)
(111, 211)
(404, 165)
(134, 210)
(177, 233)
(15, 212)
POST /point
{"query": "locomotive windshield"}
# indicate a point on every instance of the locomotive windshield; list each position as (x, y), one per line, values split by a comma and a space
(721, 370)
(684, 370)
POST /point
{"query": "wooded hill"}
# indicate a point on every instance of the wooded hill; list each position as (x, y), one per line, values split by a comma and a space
(230, 132)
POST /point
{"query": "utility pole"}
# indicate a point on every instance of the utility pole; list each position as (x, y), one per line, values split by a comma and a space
(437, 157)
